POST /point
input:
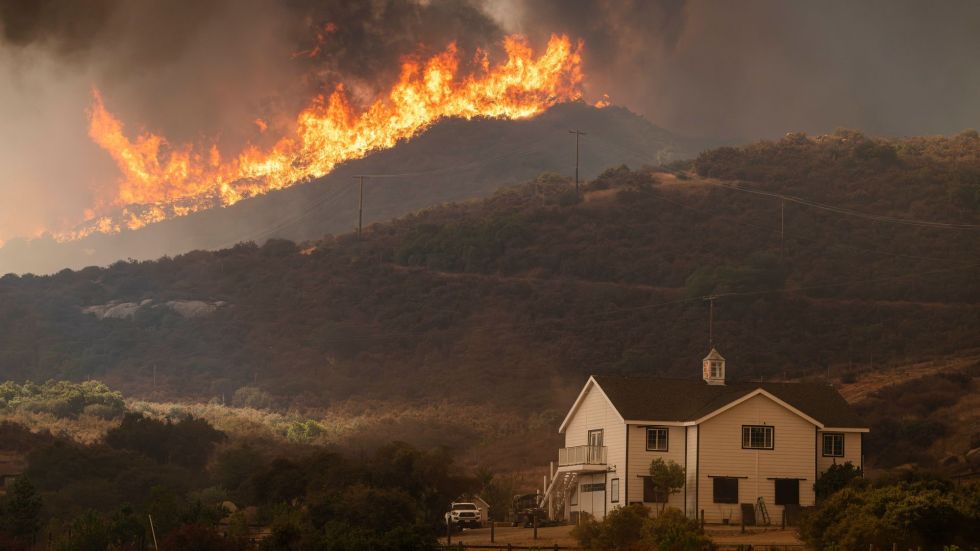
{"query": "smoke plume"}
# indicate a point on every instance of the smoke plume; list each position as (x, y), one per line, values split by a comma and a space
(237, 71)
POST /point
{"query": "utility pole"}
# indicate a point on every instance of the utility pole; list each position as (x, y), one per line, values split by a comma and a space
(711, 321)
(360, 204)
(577, 133)
(782, 225)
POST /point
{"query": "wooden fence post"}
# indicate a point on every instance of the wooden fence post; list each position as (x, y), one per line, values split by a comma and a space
(742, 522)
(784, 518)
(534, 517)
(449, 531)
(702, 521)
(491, 529)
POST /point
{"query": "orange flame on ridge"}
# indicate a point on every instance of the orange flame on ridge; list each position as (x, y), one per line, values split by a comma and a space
(161, 180)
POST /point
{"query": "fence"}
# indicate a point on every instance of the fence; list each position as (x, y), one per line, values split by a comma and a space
(464, 546)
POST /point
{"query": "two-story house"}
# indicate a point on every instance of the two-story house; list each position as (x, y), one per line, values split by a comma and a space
(737, 442)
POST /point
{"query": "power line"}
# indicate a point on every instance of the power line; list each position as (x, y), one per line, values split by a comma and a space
(818, 205)
(801, 237)
(700, 298)
(339, 191)
(848, 212)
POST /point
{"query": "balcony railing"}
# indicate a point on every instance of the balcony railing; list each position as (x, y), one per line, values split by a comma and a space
(582, 455)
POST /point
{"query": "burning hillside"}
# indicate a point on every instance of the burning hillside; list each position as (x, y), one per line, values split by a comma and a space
(161, 180)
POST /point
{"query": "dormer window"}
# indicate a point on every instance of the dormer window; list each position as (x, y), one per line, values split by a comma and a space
(715, 370)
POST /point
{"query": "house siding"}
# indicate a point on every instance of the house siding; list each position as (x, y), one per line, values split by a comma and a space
(593, 413)
(691, 489)
(852, 451)
(640, 458)
(721, 454)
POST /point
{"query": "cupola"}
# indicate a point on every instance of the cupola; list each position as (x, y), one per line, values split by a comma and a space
(713, 368)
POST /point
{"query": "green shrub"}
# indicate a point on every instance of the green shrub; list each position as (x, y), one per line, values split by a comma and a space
(304, 431)
(835, 479)
(62, 398)
(631, 528)
(926, 513)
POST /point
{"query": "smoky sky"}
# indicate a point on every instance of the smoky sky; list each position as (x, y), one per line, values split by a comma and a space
(750, 69)
(205, 70)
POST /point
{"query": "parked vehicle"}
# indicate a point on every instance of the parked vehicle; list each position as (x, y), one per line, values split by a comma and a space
(525, 508)
(465, 515)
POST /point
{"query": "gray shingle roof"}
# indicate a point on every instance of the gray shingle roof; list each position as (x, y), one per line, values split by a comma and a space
(661, 399)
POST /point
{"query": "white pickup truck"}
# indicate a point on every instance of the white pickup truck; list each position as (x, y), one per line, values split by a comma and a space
(465, 515)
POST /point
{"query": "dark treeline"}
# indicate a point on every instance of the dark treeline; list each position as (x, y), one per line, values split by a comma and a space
(205, 493)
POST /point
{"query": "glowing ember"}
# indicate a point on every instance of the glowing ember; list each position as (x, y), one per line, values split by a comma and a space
(161, 180)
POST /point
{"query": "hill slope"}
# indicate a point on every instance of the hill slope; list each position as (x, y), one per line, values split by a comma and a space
(454, 160)
(511, 301)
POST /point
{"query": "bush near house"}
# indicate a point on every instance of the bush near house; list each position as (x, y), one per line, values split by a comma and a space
(631, 528)
(913, 513)
(834, 479)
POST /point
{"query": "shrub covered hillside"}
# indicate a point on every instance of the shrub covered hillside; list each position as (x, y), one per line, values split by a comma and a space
(514, 299)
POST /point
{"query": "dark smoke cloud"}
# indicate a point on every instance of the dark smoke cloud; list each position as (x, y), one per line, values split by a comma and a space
(758, 68)
(206, 69)
(190, 68)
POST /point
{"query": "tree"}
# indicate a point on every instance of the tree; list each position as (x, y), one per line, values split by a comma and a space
(21, 510)
(667, 478)
(834, 479)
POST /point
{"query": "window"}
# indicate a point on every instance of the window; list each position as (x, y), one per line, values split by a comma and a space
(573, 499)
(787, 491)
(614, 490)
(833, 444)
(595, 437)
(595, 487)
(657, 439)
(757, 437)
(651, 494)
(715, 369)
(725, 490)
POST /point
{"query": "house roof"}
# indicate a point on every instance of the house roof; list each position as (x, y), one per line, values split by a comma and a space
(713, 355)
(678, 400)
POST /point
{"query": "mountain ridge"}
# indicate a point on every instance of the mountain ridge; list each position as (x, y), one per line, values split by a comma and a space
(452, 160)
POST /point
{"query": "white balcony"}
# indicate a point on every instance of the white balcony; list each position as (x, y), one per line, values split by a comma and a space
(582, 456)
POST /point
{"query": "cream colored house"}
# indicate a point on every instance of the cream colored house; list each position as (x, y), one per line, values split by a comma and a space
(758, 444)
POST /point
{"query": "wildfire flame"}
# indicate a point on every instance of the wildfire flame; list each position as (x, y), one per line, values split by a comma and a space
(161, 180)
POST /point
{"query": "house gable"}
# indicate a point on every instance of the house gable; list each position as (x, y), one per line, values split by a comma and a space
(753, 394)
(590, 386)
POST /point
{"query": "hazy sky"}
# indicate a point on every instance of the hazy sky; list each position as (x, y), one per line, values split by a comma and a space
(196, 70)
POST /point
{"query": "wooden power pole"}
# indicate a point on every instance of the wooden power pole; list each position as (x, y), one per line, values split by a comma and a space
(711, 321)
(577, 133)
(782, 226)
(360, 204)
